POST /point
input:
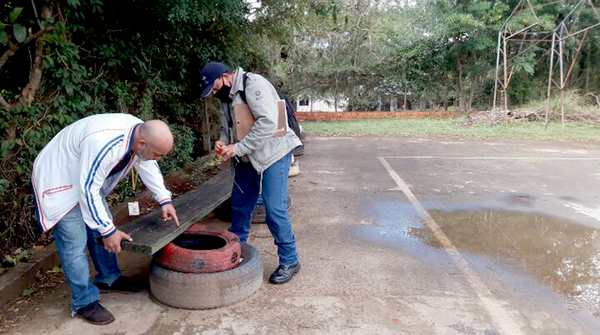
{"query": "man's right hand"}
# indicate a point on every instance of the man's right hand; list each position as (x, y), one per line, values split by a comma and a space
(113, 242)
(219, 145)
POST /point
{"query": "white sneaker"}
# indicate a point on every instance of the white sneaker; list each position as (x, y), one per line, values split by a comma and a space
(294, 169)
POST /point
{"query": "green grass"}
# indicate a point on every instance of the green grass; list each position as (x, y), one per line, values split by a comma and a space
(573, 103)
(453, 128)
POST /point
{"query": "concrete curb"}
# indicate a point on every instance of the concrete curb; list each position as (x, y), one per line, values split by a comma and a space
(23, 275)
(344, 116)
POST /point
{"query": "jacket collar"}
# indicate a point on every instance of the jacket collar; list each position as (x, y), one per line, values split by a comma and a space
(238, 82)
(129, 138)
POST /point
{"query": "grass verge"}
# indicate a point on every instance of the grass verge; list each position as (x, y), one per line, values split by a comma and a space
(454, 128)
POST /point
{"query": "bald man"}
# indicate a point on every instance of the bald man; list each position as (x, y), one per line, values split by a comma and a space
(71, 178)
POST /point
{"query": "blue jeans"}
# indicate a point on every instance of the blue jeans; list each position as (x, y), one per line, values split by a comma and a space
(244, 196)
(72, 236)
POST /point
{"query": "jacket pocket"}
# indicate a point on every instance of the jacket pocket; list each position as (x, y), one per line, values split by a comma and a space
(56, 190)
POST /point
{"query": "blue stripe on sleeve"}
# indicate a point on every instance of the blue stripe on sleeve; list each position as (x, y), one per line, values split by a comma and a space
(109, 233)
(90, 180)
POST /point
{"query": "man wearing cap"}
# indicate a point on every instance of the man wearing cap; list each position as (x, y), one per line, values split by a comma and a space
(71, 177)
(262, 159)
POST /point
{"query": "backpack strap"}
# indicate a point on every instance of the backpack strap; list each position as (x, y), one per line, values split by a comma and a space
(243, 91)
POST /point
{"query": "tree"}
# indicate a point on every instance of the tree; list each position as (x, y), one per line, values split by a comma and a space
(63, 60)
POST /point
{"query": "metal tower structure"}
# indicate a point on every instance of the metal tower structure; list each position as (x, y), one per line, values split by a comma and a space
(553, 41)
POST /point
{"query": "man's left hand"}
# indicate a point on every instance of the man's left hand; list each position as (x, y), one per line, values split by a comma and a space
(169, 213)
(229, 151)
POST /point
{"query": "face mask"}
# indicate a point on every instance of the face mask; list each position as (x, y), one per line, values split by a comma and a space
(223, 94)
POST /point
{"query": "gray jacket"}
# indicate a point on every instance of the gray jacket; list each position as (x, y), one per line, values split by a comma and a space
(261, 148)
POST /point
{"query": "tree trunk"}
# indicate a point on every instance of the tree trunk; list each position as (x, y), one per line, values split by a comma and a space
(472, 94)
(28, 93)
(335, 95)
(459, 68)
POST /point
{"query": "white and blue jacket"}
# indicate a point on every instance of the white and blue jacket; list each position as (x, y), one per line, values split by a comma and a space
(75, 168)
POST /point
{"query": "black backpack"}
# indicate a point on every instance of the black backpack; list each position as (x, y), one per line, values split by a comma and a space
(291, 112)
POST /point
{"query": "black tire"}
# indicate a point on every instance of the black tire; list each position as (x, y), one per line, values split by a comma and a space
(259, 215)
(208, 290)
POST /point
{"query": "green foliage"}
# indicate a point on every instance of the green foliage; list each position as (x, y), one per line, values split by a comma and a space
(3, 186)
(15, 14)
(573, 102)
(104, 56)
(182, 149)
(28, 292)
(17, 257)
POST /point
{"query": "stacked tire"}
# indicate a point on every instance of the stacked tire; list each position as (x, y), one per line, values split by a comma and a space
(205, 268)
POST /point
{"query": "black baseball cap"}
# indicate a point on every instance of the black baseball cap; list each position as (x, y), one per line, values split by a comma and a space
(210, 72)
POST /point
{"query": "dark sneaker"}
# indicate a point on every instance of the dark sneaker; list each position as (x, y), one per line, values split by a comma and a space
(95, 314)
(121, 285)
(284, 273)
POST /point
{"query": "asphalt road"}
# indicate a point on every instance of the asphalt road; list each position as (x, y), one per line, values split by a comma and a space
(414, 236)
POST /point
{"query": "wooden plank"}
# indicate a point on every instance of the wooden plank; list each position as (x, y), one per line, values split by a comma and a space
(150, 233)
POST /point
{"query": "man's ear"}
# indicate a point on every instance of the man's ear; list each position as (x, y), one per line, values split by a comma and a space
(143, 143)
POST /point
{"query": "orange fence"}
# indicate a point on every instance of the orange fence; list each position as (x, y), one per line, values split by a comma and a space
(324, 116)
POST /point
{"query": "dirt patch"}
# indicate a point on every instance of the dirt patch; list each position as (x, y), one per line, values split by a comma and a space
(474, 118)
(47, 282)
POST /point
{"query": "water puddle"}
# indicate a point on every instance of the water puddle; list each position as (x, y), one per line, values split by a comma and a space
(391, 223)
(560, 254)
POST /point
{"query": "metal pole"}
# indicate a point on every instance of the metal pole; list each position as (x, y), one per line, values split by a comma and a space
(562, 76)
(522, 30)
(497, 69)
(505, 74)
(583, 30)
(550, 76)
(594, 8)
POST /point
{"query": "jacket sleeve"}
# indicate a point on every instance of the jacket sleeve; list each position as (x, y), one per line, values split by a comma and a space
(262, 103)
(152, 177)
(98, 157)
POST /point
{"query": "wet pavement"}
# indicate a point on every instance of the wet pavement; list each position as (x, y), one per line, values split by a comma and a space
(408, 236)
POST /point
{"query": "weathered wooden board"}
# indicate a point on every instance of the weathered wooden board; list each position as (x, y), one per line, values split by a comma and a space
(150, 233)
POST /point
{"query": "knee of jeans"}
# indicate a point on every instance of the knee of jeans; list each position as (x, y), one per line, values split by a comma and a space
(71, 243)
(278, 216)
(73, 256)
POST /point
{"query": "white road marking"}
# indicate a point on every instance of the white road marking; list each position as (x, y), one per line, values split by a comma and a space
(498, 158)
(593, 213)
(501, 316)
